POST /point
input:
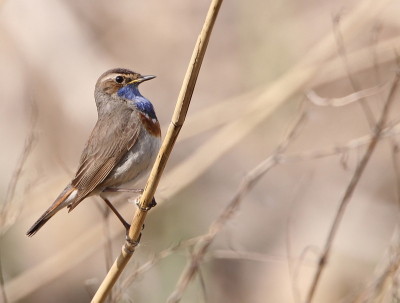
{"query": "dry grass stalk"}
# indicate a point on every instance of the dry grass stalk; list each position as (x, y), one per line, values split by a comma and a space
(377, 131)
(337, 149)
(166, 148)
(3, 295)
(342, 101)
(354, 83)
(9, 210)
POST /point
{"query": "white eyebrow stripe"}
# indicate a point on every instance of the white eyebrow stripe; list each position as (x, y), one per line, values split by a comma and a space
(114, 75)
(111, 76)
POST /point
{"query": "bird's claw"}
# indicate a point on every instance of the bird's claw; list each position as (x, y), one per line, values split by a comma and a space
(131, 242)
(153, 203)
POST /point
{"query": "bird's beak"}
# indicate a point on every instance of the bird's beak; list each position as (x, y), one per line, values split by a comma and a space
(142, 79)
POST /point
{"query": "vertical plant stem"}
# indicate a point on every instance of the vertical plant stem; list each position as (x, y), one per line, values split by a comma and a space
(178, 119)
(350, 189)
(3, 296)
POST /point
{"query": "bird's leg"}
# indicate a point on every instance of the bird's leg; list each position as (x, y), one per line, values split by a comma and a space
(128, 190)
(126, 225)
(123, 190)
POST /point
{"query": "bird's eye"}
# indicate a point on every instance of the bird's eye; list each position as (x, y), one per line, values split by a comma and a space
(119, 79)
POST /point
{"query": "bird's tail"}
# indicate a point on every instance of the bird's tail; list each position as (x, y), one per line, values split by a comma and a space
(62, 201)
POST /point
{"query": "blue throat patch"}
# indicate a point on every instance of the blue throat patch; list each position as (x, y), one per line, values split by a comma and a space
(131, 92)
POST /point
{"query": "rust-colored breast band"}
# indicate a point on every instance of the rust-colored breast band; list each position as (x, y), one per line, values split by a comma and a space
(152, 126)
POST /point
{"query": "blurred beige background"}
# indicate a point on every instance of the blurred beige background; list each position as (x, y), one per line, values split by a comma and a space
(52, 52)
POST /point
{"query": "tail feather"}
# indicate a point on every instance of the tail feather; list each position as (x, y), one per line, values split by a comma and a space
(66, 197)
(38, 224)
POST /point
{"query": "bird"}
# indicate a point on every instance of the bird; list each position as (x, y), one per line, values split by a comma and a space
(121, 149)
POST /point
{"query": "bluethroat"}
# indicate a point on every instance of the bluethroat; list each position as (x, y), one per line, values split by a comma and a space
(121, 148)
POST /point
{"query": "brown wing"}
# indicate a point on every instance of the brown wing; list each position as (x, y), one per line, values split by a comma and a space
(111, 138)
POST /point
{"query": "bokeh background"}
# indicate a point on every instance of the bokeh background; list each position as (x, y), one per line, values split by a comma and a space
(262, 58)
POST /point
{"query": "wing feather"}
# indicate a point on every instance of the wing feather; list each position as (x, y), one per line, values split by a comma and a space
(111, 138)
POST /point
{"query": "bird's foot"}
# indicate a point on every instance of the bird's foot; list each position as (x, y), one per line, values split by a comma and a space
(153, 203)
(130, 245)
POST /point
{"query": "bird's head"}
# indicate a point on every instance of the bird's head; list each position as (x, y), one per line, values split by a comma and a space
(121, 82)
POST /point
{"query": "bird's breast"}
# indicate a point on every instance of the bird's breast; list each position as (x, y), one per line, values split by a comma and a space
(151, 125)
(136, 163)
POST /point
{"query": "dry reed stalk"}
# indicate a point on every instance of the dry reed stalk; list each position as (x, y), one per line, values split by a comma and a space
(377, 131)
(162, 158)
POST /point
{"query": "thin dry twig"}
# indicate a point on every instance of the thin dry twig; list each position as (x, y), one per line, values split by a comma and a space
(357, 96)
(354, 83)
(178, 119)
(6, 218)
(3, 295)
(393, 142)
(379, 127)
(337, 149)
